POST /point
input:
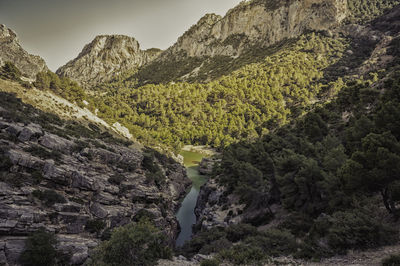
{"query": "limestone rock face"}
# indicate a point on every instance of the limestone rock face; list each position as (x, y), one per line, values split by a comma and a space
(257, 22)
(104, 182)
(11, 50)
(106, 57)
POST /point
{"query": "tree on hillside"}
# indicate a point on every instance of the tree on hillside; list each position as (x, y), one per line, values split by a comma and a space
(375, 168)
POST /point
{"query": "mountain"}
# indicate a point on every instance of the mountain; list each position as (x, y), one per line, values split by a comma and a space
(11, 50)
(304, 111)
(261, 23)
(252, 25)
(106, 57)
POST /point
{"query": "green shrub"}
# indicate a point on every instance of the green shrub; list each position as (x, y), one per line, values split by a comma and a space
(274, 242)
(10, 71)
(134, 244)
(39, 249)
(43, 153)
(149, 164)
(354, 230)
(200, 240)
(298, 224)
(5, 163)
(393, 260)
(37, 176)
(235, 233)
(95, 226)
(117, 179)
(49, 197)
(210, 262)
(243, 255)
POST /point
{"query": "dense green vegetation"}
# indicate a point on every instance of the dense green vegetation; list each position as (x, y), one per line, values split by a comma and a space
(10, 71)
(334, 170)
(134, 244)
(40, 250)
(65, 87)
(243, 105)
(362, 11)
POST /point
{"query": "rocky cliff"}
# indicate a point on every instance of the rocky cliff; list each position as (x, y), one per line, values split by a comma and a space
(261, 22)
(213, 46)
(77, 182)
(11, 50)
(106, 57)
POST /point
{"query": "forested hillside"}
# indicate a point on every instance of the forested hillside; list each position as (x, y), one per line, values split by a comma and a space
(243, 105)
(325, 184)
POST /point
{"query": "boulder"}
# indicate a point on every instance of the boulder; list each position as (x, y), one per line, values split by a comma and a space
(32, 131)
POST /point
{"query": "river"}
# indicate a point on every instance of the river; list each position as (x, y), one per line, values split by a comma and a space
(185, 215)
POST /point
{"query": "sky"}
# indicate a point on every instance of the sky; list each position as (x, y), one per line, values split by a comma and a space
(57, 30)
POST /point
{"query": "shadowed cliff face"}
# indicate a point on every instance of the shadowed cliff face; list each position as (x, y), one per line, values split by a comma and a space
(11, 50)
(106, 57)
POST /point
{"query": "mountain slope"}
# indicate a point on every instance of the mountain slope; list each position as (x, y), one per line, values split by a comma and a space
(11, 50)
(322, 185)
(106, 57)
(250, 25)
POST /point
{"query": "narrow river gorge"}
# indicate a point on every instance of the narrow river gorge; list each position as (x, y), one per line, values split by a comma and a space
(185, 215)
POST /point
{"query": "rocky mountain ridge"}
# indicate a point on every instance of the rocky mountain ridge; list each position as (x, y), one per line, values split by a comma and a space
(257, 23)
(11, 50)
(107, 56)
(251, 23)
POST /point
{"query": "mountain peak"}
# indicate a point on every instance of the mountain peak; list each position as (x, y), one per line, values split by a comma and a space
(104, 58)
(7, 33)
(259, 23)
(11, 50)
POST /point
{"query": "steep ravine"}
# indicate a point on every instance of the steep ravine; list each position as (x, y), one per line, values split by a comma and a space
(186, 216)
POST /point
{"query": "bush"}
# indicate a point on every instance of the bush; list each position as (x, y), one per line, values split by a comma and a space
(49, 197)
(393, 260)
(117, 179)
(210, 262)
(5, 163)
(95, 226)
(39, 249)
(200, 240)
(43, 153)
(243, 255)
(10, 71)
(37, 176)
(274, 242)
(239, 232)
(134, 244)
(354, 230)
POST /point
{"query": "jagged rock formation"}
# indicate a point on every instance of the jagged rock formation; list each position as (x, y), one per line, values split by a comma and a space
(11, 50)
(51, 178)
(258, 22)
(106, 57)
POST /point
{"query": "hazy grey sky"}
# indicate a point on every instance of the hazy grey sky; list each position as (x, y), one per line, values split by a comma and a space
(57, 30)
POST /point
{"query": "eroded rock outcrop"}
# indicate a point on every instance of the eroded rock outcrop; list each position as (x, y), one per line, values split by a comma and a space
(11, 50)
(106, 57)
(54, 181)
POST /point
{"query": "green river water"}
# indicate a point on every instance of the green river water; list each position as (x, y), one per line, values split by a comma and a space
(185, 215)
